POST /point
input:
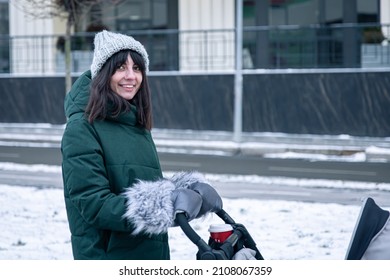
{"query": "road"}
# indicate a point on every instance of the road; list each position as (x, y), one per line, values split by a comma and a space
(295, 168)
(44, 179)
(362, 171)
(245, 165)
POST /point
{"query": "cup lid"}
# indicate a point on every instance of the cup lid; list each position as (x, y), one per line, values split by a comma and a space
(220, 228)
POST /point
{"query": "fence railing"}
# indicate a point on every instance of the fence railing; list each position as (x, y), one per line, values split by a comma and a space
(264, 47)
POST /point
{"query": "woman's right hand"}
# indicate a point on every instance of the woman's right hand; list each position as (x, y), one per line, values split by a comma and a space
(186, 201)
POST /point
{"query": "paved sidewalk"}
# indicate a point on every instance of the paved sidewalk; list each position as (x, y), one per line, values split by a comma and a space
(218, 142)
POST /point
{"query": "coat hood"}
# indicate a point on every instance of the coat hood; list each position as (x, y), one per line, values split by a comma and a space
(77, 99)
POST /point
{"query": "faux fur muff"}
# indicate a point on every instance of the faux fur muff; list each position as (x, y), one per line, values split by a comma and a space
(149, 204)
(185, 179)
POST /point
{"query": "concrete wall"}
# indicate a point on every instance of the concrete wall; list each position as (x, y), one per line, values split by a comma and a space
(355, 103)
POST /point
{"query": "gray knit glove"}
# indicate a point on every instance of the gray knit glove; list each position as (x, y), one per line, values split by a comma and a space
(193, 180)
(211, 201)
(186, 201)
(245, 254)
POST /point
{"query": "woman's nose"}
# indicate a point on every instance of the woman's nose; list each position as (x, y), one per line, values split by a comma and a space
(129, 74)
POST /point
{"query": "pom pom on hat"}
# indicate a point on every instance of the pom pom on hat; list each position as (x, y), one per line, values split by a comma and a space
(108, 43)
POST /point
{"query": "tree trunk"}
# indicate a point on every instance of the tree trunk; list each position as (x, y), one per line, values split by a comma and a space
(68, 56)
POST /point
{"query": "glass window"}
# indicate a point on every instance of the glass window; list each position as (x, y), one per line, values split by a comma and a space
(133, 16)
(305, 44)
(4, 18)
(368, 11)
(4, 37)
(292, 12)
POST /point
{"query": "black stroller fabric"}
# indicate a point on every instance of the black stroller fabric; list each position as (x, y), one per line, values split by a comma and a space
(371, 223)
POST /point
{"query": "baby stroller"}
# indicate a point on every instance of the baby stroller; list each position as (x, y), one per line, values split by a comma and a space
(371, 237)
(240, 238)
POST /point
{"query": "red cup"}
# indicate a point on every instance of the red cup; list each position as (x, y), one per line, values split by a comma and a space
(220, 232)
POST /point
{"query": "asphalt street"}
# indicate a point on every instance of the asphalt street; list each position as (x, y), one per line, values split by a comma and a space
(255, 190)
(215, 153)
(233, 164)
(239, 165)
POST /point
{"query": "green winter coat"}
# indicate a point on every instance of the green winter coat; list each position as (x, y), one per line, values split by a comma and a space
(100, 161)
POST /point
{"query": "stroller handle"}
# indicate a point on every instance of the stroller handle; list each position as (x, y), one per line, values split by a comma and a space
(182, 221)
(225, 217)
(239, 232)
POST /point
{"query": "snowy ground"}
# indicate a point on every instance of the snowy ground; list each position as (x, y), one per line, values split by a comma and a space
(34, 226)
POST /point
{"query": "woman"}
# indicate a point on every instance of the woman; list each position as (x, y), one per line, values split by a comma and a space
(119, 206)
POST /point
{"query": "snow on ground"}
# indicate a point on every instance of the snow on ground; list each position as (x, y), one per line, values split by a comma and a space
(34, 225)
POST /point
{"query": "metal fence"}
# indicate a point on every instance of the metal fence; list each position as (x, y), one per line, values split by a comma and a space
(265, 47)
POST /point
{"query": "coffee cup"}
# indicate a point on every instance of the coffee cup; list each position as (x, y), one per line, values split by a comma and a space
(220, 232)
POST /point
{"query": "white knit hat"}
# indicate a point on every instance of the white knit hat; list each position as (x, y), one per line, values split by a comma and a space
(108, 43)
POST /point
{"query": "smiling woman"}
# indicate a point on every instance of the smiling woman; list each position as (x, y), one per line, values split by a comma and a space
(119, 206)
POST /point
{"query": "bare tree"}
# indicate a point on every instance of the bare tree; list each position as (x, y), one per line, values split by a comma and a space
(70, 10)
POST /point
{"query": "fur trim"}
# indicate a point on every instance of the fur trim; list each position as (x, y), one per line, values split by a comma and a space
(149, 206)
(185, 179)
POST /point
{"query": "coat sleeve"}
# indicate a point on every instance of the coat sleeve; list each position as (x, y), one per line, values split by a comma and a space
(86, 186)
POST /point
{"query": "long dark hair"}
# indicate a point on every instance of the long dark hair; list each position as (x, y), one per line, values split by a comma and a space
(104, 101)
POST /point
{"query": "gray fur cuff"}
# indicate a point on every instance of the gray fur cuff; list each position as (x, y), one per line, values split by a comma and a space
(149, 206)
(185, 179)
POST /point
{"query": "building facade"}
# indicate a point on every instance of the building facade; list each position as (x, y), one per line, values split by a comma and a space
(308, 66)
(188, 35)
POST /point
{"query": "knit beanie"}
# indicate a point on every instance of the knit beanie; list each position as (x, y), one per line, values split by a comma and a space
(108, 43)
